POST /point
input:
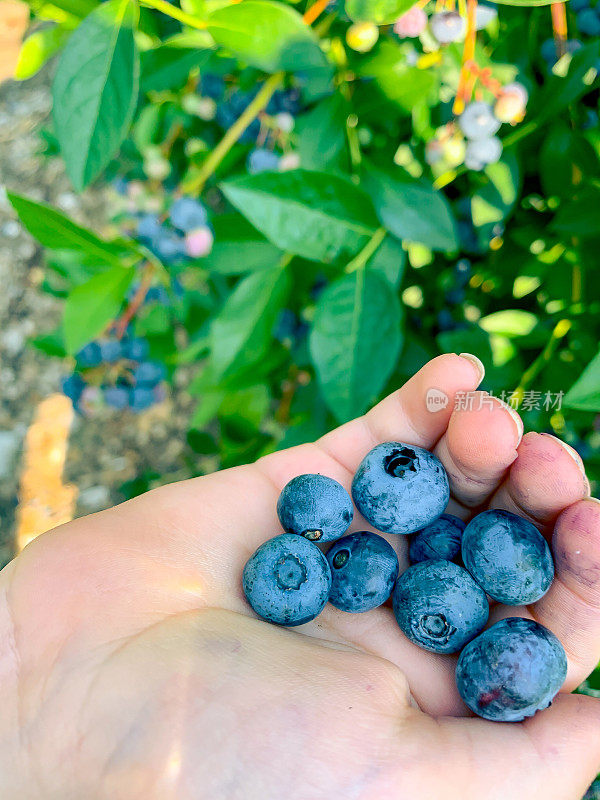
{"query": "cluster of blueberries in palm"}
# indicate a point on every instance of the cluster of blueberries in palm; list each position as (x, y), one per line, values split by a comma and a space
(185, 233)
(505, 672)
(116, 373)
(268, 132)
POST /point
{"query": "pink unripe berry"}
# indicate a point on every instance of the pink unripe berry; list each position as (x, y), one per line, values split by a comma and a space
(199, 242)
(412, 23)
(510, 106)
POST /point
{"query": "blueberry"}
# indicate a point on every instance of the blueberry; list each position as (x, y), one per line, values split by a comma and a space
(512, 670)
(169, 247)
(148, 373)
(548, 50)
(157, 294)
(484, 15)
(579, 5)
(120, 185)
(116, 397)
(508, 557)
(212, 86)
(439, 606)
(89, 356)
(481, 152)
(439, 539)
(588, 22)
(287, 580)
(462, 270)
(364, 568)
(316, 507)
(455, 296)
(73, 385)
(447, 26)
(111, 350)
(399, 488)
(478, 121)
(445, 320)
(187, 214)
(141, 398)
(149, 228)
(262, 160)
(136, 349)
(593, 793)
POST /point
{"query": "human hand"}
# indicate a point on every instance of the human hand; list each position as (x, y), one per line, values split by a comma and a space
(132, 667)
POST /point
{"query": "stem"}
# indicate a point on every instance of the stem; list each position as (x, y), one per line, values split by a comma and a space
(195, 183)
(465, 81)
(351, 132)
(359, 261)
(560, 330)
(559, 26)
(311, 14)
(176, 13)
(136, 301)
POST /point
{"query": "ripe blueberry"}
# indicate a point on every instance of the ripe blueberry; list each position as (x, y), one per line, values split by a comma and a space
(287, 580)
(481, 152)
(141, 398)
(187, 214)
(400, 488)
(136, 349)
(73, 385)
(439, 539)
(508, 557)
(116, 397)
(111, 350)
(588, 22)
(148, 373)
(512, 670)
(364, 568)
(439, 606)
(262, 160)
(478, 121)
(447, 26)
(316, 507)
(89, 356)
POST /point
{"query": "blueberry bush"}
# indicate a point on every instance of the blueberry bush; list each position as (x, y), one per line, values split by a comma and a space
(312, 199)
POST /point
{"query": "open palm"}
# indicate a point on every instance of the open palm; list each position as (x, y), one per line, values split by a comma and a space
(132, 667)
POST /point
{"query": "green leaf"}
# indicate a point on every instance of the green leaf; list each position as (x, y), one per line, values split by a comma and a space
(52, 229)
(312, 214)
(355, 341)
(239, 248)
(38, 48)
(579, 216)
(50, 343)
(412, 210)
(91, 306)
(168, 67)
(406, 86)
(382, 12)
(511, 322)
(95, 89)
(241, 333)
(321, 134)
(267, 35)
(389, 260)
(524, 3)
(585, 392)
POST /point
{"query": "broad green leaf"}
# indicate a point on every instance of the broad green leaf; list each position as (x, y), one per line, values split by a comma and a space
(510, 322)
(95, 89)
(321, 138)
(241, 332)
(267, 35)
(579, 216)
(389, 260)
(147, 126)
(239, 248)
(524, 3)
(412, 210)
(355, 341)
(406, 86)
(311, 214)
(52, 229)
(382, 12)
(50, 343)
(168, 67)
(76, 8)
(38, 48)
(585, 392)
(91, 306)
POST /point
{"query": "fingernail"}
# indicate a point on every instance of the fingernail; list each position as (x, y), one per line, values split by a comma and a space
(516, 418)
(573, 453)
(477, 363)
(594, 499)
